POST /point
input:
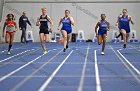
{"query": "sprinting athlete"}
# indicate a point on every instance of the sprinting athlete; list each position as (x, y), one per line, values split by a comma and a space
(104, 26)
(124, 24)
(11, 28)
(42, 22)
(66, 29)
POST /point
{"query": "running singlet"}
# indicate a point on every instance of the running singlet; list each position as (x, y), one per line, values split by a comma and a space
(124, 23)
(103, 28)
(66, 25)
(43, 22)
(10, 26)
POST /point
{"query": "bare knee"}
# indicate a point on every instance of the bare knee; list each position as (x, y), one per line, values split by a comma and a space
(99, 41)
(65, 37)
(7, 40)
(124, 34)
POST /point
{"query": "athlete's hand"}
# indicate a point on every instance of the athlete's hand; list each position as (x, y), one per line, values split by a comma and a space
(107, 29)
(50, 30)
(58, 28)
(16, 30)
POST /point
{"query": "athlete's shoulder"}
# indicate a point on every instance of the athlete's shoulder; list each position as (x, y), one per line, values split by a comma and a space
(120, 16)
(129, 16)
(48, 17)
(7, 21)
(70, 17)
(99, 21)
(107, 21)
(62, 18)
(40, 17)
(14, 21)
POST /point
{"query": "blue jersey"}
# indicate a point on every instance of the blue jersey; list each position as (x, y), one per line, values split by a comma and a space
(66, 25)
(103, 27)
(124, 23)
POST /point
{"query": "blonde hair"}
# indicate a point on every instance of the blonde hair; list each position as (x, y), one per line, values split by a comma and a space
(44, 8)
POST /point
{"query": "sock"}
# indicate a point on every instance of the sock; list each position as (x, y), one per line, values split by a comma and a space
(9, 47)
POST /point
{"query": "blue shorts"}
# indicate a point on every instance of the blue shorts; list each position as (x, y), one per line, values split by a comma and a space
(68, 30)
(126, 29)
(102, 32)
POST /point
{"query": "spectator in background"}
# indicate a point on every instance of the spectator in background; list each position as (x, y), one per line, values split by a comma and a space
(23, 20)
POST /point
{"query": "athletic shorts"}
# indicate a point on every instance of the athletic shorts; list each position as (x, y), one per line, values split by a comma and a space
(10, 33)
(102, 32)
(126, 29)
(44, 31)
(68, 30)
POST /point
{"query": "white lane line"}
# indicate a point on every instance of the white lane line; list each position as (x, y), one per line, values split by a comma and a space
(13, 61)
(98, 84)
(5, 51)
(133, 74)
(16, 48)
(91, 48)
(134, 47)
(44, 86)
(32, 74)
(77, 63)
(68, 76)
(134, 68)
(20, 68)
(80, 88)
(15, 55)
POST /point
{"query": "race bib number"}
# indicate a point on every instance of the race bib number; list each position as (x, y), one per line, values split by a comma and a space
(10, 28)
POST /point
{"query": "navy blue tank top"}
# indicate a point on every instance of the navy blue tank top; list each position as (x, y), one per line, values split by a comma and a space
(103, 25)
(66, 23)
(124, 22)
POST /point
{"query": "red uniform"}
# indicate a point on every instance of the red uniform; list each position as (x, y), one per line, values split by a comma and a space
(10, 27)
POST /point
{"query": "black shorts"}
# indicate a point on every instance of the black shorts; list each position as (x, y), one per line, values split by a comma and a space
(44, 31)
